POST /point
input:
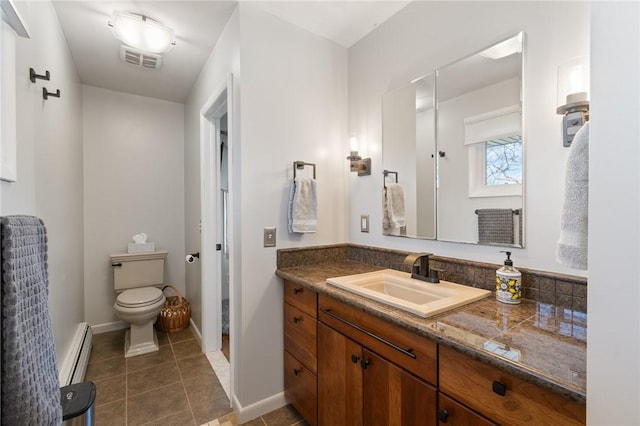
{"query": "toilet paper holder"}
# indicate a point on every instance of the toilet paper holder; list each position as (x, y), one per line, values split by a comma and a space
(190, 258)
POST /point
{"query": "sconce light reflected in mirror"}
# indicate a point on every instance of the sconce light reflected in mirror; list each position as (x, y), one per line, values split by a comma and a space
(357, 163)
(573, 96)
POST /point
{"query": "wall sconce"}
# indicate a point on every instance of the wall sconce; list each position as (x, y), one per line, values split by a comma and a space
(357, 163)
(573, 97)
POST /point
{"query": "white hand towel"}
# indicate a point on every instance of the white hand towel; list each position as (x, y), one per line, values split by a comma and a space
(571, 250)
(304, 211)
(292, 192)
(393, 206)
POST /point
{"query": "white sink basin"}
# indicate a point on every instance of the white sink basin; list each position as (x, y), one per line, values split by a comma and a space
(398, 289)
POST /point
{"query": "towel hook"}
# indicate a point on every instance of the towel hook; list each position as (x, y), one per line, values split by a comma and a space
(46, 94)
(33, 76)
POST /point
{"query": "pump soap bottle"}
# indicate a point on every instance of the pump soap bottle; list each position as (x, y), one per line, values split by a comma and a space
(508, 282)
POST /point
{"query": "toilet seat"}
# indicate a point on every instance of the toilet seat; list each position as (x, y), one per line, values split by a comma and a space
(139, 297)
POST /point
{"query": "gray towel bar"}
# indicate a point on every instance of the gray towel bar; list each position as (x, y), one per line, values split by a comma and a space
(516, 211)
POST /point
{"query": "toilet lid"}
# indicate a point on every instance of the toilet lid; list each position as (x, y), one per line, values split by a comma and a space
(139, 297)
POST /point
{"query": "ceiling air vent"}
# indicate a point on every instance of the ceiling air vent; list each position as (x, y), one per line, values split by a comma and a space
(132, 56)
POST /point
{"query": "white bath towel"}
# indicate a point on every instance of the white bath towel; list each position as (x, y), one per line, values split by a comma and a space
(571, 250)
(303, 206)
(393, 206)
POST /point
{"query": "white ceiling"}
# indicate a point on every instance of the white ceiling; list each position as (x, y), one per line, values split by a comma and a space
(95, 51)
(197, 25)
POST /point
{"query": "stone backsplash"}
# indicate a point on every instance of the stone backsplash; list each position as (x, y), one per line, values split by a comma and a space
(562, 290)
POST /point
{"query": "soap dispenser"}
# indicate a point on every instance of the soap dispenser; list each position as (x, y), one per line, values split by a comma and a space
(508, 282)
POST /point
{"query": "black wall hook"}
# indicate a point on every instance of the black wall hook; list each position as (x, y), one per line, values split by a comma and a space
(46, 94)
(33, 76)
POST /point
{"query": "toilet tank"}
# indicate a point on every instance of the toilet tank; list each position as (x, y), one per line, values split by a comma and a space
(132, 270)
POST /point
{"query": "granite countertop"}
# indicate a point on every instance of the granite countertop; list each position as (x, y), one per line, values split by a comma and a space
(537, 342)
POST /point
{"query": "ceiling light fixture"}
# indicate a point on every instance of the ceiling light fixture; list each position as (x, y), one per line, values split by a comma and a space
(142, 32)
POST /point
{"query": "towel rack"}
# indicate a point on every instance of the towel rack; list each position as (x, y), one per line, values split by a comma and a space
(386, 173)
(299, 165)
(516, 211)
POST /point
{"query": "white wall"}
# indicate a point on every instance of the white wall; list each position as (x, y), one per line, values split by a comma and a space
(49, 143)
(290, 99)
(613, 351)
(133, 182)
(428, 35)
(224, 59)
(294, 107)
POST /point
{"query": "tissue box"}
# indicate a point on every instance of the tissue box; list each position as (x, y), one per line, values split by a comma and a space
(141, 247)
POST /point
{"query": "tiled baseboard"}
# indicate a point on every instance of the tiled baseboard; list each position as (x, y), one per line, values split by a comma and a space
(562, 290)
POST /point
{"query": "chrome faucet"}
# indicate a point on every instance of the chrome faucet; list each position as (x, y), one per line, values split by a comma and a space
(422, 271)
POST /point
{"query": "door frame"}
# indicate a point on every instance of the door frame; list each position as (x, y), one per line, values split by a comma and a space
(219, 103)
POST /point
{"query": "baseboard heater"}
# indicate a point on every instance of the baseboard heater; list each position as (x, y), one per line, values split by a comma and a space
(75, 364)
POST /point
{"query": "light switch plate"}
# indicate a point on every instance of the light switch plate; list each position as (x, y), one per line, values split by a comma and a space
(364, 223)
(270, 236)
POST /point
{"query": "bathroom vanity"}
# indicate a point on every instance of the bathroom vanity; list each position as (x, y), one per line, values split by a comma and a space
(349, 360)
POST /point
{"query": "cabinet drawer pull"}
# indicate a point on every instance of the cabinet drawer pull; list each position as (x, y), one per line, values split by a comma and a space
(296, 372)
(355, 358)
(442, 416)
(297, 319)
(297, 290)
(407, 352)
(499, 388)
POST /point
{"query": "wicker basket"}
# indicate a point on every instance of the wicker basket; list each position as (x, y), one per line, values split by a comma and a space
(175, 314)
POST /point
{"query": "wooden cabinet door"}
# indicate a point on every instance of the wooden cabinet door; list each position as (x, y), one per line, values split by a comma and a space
(452, 413)
(393, 397)
(300, 336)
(339, 379)
(300, 388)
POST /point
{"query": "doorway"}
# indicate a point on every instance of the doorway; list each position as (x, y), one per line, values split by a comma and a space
(215, 237)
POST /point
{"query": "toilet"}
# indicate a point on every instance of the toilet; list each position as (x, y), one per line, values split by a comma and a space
(138, 278)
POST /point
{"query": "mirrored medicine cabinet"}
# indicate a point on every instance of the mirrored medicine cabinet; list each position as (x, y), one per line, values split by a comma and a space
(452, 141)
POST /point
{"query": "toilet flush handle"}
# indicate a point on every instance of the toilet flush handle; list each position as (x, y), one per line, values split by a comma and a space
(116, 265)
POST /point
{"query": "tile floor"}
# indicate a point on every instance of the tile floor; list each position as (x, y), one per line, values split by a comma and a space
(174, 386)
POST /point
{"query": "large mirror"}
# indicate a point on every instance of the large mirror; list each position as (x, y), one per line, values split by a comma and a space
(453, 140)
(408, 132)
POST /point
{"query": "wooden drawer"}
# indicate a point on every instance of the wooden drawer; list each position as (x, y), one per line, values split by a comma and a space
(410, 351)
(301, 390)
(300, 331)
(302, 298)
(472, 383)
(452, 413)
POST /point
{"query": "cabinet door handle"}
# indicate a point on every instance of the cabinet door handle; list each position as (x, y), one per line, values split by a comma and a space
(297, 319)
(499, 388)
(364, 364)
(408, 352)
(297, 290)
(442, 416)
(296, 372)
(355, 358)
